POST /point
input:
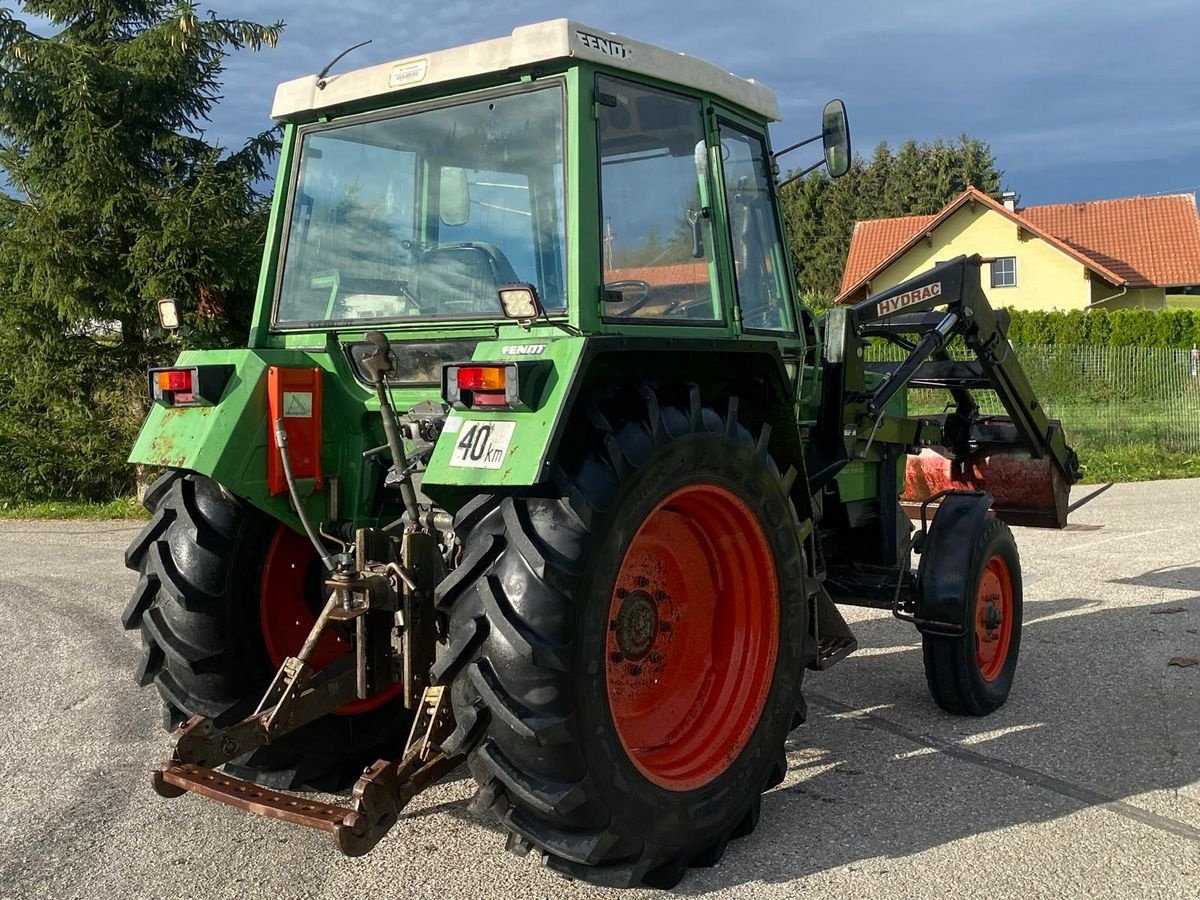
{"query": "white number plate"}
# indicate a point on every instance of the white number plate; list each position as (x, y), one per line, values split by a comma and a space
(482, 445)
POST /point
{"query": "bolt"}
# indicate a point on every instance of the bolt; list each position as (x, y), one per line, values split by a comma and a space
(660, 596)
(622, 593)
(664, 627)
(642, 581)
(616, 656)
(635, 670)
(656, 657)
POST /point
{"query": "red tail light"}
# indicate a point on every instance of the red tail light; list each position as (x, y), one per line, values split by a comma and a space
(176, 380)
(478, 385)
(193, 386)
(481, 378)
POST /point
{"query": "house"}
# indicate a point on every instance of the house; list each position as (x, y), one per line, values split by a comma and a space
(1104, 253)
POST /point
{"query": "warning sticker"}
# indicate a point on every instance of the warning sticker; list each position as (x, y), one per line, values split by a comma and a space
(297, 404)
(482, 445)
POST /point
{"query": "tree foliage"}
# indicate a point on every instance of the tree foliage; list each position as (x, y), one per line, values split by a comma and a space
(915, 179)
(117, 199)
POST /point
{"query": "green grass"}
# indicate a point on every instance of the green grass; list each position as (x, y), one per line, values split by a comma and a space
(1183, 301)
(123, 508)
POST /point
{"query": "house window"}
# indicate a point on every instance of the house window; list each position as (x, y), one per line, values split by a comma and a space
(1004, 272)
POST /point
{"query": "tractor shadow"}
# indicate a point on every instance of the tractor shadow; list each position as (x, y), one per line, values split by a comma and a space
(878, 772)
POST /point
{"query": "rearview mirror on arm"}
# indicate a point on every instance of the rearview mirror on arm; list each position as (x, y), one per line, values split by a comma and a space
(835, 135)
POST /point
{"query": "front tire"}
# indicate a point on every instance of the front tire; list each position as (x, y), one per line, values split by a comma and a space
(199, 605)
(972, 675)
(626, 658)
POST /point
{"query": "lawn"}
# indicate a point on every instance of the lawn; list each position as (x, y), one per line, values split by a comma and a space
(1183, 301)
(123, 508)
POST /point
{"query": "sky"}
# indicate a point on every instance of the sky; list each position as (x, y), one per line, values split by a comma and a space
(1079, 99)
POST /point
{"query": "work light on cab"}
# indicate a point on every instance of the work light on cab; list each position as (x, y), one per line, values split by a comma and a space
(520, 302)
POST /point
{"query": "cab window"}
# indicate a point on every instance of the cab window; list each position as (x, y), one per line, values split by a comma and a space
(758, 254)
(655, 226)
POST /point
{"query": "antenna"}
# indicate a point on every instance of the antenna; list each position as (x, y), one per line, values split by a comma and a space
(321, 82)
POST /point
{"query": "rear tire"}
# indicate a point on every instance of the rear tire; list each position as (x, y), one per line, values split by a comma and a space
(972, 675)
(197, 606)
(530, 650)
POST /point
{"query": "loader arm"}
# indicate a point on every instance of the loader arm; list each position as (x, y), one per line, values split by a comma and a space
(935, 307)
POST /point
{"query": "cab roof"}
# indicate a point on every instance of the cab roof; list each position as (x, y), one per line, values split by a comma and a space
(303, 98)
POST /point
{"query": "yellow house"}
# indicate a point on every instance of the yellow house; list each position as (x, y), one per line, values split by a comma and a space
(1105, 253)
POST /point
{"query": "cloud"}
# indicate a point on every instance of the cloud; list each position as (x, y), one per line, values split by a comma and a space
(1049, 83)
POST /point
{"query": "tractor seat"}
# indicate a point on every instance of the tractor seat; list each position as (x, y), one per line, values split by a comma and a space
(460, 279)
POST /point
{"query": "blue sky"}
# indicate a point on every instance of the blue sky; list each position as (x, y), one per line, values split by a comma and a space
(1079, 99)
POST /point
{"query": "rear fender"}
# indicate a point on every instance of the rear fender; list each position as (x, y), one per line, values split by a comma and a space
(751, 370)
(228, 442)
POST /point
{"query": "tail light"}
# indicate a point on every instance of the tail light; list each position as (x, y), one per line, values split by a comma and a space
(190, 386)
(482, 386)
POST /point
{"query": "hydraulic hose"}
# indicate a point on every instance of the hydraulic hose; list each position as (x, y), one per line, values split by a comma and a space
(286, 459)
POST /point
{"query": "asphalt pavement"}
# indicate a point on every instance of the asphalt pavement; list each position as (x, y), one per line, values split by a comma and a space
(1086, 784)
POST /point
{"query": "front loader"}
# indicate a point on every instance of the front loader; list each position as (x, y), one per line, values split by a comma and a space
(535, 463)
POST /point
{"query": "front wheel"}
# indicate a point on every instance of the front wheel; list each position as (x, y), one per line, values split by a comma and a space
(971, 675)
(626, 659)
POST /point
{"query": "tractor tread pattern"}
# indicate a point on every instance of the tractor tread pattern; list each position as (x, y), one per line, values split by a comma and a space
(509, 605)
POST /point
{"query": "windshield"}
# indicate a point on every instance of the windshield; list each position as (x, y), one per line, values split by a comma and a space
(425, 215)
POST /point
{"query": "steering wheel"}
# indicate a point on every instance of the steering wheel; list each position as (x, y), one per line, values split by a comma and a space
(644, 286)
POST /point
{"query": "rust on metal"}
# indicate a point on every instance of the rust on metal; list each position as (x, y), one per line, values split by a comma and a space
(261, 801)
(1027, 491)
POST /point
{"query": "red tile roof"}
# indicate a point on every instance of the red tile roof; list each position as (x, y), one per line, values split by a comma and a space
(877, 239)
(1148, 241)
(1137, 241)
(670, 274)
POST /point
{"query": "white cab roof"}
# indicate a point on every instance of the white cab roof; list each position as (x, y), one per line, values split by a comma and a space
(528, 44)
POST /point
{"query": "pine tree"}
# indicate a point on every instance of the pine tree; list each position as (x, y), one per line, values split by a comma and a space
(117, 198)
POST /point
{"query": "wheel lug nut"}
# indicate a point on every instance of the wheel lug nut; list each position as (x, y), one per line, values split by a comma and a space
(660, 596)
(656, 657)
(635, 670)
(642, 581)
(622, 593)
(616, 657)
(664, 626)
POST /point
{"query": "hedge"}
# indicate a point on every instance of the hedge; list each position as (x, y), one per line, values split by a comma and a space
(1178, 328)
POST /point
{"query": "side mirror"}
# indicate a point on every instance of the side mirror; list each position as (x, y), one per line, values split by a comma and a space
(454, 196)
(168, 314)
(835, 134)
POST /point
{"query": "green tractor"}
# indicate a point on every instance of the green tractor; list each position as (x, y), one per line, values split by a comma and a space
(535, 462)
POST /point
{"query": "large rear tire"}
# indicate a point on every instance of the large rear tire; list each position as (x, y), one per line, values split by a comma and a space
(626, 658)
(199, 606)
(972, 675)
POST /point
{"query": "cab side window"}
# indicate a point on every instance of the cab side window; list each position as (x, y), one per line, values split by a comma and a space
(758, 254)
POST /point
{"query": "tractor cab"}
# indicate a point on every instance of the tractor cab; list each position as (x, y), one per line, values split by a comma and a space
(620, 184)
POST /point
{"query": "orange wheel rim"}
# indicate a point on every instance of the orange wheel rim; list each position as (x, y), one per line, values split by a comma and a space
(289, 601)
(693, 630)
(993, 618)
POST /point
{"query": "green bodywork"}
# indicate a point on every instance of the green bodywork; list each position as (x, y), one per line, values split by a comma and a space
(229, 440)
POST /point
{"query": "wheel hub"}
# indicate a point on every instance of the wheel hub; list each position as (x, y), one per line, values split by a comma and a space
(636, 625)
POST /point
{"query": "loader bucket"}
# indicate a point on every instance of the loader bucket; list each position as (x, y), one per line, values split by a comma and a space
(1026, 491)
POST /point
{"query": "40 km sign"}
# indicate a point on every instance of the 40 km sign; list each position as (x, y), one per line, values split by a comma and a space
(482, 445)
